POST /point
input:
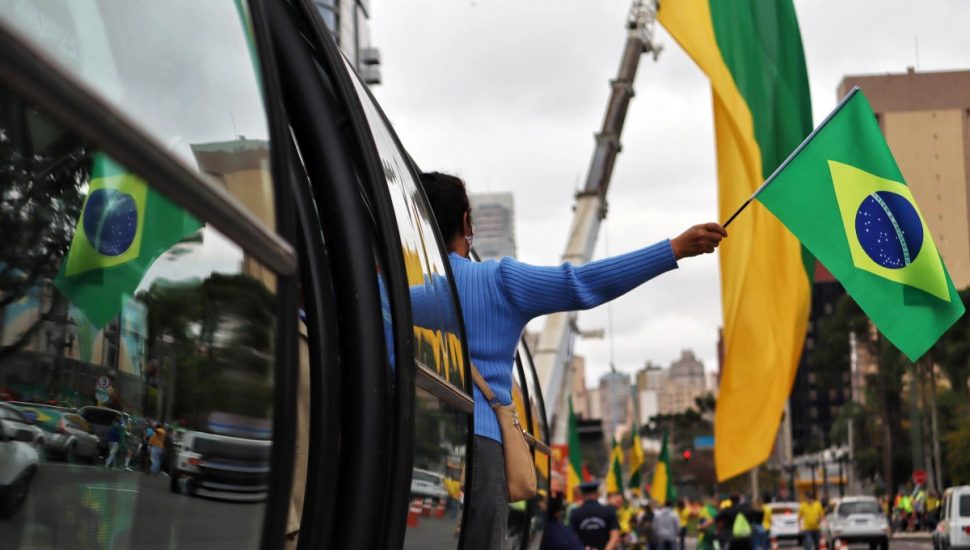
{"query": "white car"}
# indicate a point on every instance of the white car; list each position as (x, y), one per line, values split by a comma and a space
(858, 520)
(428, 484)
(784, 520)
(953, 531)
(18, 464)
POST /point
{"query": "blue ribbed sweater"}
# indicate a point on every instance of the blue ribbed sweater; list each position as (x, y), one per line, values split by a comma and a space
(498, 298)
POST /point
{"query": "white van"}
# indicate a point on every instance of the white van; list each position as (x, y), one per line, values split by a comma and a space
(953, 531)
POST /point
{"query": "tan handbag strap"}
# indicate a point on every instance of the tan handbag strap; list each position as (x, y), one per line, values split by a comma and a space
(484, 387)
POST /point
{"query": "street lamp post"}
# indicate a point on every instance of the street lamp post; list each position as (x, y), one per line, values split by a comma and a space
(812, 464)
(791, 479)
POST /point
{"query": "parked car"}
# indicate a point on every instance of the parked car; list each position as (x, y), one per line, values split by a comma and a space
(858, 519)
(23, 424)
(427, 484)
(953, 531)
(18, 465)
(68, 435)
(784, 521)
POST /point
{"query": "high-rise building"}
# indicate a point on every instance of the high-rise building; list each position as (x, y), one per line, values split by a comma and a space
(615, 401)
(493, 217)
(816, 398)
(925, 117)
(349, 21)
(579, 392)
(688, 371)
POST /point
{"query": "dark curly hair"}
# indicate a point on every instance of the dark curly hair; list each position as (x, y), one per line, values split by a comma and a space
(449, 202)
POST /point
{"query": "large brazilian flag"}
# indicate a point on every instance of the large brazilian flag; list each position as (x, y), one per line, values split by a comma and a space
(842, 194)
(125, 225)
(751, 51)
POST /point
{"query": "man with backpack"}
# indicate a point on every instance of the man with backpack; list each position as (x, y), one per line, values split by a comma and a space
(734, 524)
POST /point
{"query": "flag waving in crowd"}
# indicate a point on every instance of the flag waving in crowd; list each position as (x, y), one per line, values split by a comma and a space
(614, 476)
(662, 487)
(574, 467)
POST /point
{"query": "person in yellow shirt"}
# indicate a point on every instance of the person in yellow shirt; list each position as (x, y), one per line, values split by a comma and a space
(810, 515)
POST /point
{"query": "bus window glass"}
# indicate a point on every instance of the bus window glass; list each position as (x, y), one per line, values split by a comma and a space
(437, 335)
(140, 341)
(440, 441)
(182, 70)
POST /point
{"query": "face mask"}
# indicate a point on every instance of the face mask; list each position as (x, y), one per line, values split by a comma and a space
(469, 238)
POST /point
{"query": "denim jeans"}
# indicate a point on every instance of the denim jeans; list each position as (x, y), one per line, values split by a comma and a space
(810, 539)
(156, 459)
(487, 504)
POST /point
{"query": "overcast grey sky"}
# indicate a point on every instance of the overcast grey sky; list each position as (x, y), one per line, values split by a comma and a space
(508, 93)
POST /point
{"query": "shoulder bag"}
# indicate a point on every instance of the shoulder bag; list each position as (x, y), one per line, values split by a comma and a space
(520, 471)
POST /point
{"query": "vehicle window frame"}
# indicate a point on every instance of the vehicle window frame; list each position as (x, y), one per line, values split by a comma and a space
(409, 376)
(32, 74)
(364, 416)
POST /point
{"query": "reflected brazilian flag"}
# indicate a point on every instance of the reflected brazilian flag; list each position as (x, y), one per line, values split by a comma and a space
(124, 227)
(843, 195)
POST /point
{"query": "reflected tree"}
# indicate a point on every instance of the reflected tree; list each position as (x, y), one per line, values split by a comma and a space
(212, 341)
(44, 172)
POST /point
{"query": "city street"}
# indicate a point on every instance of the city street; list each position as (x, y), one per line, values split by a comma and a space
(77, 506)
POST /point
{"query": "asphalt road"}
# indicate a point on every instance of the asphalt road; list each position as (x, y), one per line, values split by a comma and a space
(75, 506)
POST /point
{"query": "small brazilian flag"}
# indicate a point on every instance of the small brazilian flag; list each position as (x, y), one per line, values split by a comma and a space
(125, 225)
(662, 487)
(614, 476)
(842, 194)
(574, 464)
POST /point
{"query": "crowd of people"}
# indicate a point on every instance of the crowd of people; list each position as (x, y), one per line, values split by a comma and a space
(916, 510)
(148, 455)
(733, 523)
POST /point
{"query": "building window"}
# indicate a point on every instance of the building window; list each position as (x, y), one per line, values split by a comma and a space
(813, 412)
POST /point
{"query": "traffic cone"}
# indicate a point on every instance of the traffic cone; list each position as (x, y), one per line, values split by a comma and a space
(426, 509)
(414, 512)
(439, 512)
(774, 543)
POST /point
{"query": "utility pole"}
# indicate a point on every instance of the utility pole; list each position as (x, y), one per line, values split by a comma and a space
(554, 350)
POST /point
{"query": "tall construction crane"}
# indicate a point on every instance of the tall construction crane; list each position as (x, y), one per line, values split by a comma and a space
(553, 353)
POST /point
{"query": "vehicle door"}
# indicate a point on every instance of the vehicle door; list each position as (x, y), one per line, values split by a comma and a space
(148, 240)
(960, 519)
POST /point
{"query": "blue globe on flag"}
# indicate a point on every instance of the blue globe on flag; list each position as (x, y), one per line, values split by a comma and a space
(110, 221)
(889, 229)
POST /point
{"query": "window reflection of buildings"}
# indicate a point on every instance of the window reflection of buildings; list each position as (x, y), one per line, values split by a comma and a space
(349, 21)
